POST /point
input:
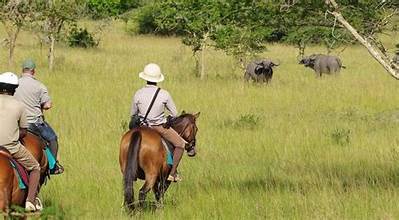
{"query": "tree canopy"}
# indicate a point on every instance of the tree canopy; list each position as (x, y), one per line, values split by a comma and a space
(286, 21)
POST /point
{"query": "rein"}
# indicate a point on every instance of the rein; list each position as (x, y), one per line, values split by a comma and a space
(190, 144)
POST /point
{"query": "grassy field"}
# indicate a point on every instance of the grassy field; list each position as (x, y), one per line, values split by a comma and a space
(299, 148)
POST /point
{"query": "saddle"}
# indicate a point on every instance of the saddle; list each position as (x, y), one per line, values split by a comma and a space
(50, 157)
(21, 172)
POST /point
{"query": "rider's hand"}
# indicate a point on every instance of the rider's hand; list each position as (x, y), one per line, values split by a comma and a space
(168, 123)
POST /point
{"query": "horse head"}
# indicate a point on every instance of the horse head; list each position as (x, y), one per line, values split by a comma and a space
(185, 125)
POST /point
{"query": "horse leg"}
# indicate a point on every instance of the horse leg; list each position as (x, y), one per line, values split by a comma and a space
(157, 189)
(148, 185)
(160, 189)
(6, 187)
(5, 198)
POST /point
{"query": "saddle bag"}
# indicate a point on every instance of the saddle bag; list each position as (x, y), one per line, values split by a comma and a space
(135, 122)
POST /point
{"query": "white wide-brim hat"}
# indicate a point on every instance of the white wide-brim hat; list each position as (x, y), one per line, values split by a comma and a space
(9, 78)
(152, 73)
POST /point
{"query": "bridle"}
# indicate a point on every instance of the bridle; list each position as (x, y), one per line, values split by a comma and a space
(190, 146)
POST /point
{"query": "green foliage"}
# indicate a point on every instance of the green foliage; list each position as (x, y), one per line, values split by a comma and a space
(229, 25)
(308, 22)
(80, 37)
(286, 168)
(54, 15)
(145, 18)
(103, 9)
(16, 13)
(126, 5)
(238, 41)
(241, 27)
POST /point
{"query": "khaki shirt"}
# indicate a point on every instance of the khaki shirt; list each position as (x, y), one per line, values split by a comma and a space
(33, 94)
(12, 117)
(141, 102)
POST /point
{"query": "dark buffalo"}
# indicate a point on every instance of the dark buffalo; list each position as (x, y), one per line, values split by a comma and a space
(260, 71)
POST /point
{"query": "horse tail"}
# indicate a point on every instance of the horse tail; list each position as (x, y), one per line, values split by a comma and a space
(130, 174)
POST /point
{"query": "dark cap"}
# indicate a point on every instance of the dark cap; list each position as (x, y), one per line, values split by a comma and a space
(28, 64)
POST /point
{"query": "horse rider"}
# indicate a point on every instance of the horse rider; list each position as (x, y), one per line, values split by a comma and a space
(13, 127)
(34, 95)
(156, 118)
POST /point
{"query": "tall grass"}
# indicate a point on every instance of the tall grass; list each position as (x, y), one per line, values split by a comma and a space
(299, 148)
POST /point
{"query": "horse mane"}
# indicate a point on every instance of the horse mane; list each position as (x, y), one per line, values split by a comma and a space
(183, 119)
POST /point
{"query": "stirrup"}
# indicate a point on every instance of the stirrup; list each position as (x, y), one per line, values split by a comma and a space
(59, 169)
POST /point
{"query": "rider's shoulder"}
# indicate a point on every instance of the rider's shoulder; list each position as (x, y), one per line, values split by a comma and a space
(141, 90)
(165, 92)
(27, 80)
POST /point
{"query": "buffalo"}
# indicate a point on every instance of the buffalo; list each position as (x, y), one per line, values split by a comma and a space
(260, 71)
(321, 63)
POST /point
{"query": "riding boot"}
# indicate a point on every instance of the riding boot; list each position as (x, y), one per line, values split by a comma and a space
(58, 169)
(53, 145)
(34, 178)
(177, 155)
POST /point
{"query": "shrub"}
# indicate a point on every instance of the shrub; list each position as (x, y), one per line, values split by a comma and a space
(149, 20)
(80, 37)
(101, 9)
(145, 19)
(341, 136)
(245, 121)
(98, 9)
(126, 5)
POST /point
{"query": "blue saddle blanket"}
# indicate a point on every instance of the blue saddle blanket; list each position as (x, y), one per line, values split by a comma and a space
(21, 183)
(50, 158)
(169, 158)
(169, 154)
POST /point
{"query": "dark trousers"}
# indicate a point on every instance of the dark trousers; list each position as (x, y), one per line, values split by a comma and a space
(48, 134)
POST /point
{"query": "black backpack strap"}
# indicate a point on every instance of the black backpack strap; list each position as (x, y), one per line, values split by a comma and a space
(151, 104)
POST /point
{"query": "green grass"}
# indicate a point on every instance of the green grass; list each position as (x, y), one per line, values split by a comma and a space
(299, 148)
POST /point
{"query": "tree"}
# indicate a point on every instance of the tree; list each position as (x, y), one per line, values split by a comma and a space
(195, 19)
(14, 15)
(240, 27)
(309, 22)
(126, 5)
(53, 16)
(102, 9)
(378, 51)
(230, 26)
(99, 9)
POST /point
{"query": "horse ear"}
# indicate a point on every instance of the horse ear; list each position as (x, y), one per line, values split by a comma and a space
(183, 112)
(197, 115)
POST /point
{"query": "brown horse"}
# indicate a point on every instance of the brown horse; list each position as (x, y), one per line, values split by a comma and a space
(142, 155)
(10, 193)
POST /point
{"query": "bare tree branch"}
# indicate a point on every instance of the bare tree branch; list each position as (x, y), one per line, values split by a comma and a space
(378, 54)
